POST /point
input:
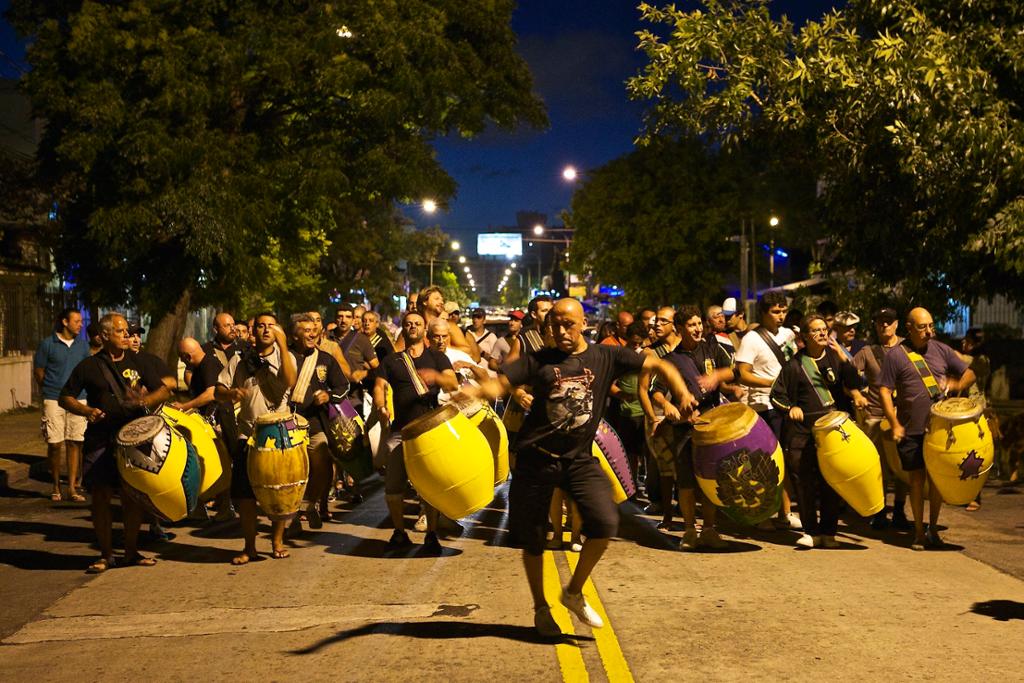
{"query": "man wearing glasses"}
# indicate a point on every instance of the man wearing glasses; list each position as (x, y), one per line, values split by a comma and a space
(909, 410)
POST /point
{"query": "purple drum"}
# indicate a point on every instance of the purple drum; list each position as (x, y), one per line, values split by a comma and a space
(345, 430)
(738, 462)
(612, 453)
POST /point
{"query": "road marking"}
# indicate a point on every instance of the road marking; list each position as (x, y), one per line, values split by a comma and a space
(210, 621)
(570, 658)
(607, 643)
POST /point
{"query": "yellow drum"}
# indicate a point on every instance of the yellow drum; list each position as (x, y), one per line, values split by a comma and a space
(483, 417)
(159, 467)
(449, 462)
(958, 449)
(849, 462)
(197, 430)
(279, 464)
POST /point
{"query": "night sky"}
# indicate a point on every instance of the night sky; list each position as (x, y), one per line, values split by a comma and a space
(580, 53)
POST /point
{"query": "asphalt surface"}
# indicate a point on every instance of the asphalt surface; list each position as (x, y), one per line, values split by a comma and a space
(343, 608)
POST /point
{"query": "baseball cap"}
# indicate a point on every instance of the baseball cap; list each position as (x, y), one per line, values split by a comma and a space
(479, 313)
(846, 318)
(886, 315)
(136, 328)
(451, 307)
(729, 305)
(516, 315)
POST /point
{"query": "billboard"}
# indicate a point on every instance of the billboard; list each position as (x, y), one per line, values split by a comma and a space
(499, 244)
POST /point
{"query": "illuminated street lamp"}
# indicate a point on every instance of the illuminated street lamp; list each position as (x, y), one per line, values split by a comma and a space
(538, 230)
(513, 264)
(429, 206)
(465, 269)
(455, 245)
(569, 173)
(773, 222)
(462, 259)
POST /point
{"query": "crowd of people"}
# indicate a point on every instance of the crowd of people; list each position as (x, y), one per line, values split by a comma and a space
(651, 374)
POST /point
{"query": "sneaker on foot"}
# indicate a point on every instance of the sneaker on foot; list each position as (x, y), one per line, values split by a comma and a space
(652, 509)
(880, 521)
(917, 545)
(709, 538)
(576, 547)
(225, 514)
(577, 604)
(805, 541)
(313, 518)
(829, 542)
(900, 521)
(794, 522)
(545, 623)
(421, 523)
(399, 539)
(432, 546)
(932, 539)
(690, 540)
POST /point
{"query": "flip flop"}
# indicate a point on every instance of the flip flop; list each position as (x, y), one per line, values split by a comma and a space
(139, 561)
(101, 565)
(77, 498)
(280, 554)
(56, 497)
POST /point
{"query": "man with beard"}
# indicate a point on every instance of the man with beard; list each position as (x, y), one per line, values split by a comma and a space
(569, 384)
(224, 346)
(661, 456)
(319, 381)
(704, 367)
(920, 372)
(263, 384)
(358, 355)
(118, 390)
(416, 375)
(430, 305)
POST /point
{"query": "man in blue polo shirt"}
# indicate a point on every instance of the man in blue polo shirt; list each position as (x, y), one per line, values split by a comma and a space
(55, 358)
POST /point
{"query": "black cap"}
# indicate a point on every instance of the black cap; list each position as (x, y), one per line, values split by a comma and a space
(136, 328)
(479, 313)
(886, 315)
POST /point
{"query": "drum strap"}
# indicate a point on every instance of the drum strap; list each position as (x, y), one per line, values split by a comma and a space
(775, 348)
(813, 374)
(348, 340)
(532, 341)
(417, 382)
(305, 375)
(925, 372)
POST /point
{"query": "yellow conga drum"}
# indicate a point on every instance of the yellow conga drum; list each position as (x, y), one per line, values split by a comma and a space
(159, 468)
(449, 462)
(849, 462)
(483, 417)
(958, 449)
(738, 463)
(197, 430)
(279, 464)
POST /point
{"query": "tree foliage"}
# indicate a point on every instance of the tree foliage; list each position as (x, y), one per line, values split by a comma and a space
(910, 110)
(222, 150)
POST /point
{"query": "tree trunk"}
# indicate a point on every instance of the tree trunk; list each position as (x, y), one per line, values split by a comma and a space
(163, 338)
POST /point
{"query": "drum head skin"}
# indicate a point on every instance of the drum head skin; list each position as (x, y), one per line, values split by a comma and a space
(957, 409)
(724, 423)
(830, 420)
(424, 423)
(276, 418)
(140, 431)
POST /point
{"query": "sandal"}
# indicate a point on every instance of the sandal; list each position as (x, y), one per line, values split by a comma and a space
(77, 498)
(973, 506)
(101, 565)
(139, 561)
(280, 554)
(56, 497)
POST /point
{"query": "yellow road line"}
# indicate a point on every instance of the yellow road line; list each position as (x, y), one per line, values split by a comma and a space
(570, 659)
(607, 643)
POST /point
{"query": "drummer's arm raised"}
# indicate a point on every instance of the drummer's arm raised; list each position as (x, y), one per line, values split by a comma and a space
(962, 384)
(287, 372)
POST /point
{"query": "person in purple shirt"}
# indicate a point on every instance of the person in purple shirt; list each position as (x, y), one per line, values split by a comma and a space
(908, 412)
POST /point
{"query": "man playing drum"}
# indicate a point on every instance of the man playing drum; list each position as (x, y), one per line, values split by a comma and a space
(118, 390)
(920, 372)
(416, 375)
(263, 384)
(569, 386)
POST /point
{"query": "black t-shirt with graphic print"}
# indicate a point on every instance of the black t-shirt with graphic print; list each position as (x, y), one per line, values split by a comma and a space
(132, 376)
(409, 404)
(569, 392)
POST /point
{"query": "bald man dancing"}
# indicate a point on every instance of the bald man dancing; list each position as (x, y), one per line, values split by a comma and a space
(568, 387)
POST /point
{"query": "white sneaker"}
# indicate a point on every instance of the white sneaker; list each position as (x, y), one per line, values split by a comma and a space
(577, 604)
(576, 547)
(829, 542)
(794, 522)
(806, 541)
(421, 524)
(545, 623)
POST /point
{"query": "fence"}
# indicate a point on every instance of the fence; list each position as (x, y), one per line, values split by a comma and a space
(27, 312)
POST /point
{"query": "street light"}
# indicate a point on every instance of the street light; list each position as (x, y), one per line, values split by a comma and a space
(538, 230)
(462, 259)
(465, 269)
(455, 245)
(508, 271)
(513, 264)
(773, 222)
(429, 206)
(569, 173)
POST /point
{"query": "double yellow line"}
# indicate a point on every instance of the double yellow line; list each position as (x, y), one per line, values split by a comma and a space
(570, 657)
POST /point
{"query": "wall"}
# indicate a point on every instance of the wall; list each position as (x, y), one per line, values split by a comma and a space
(15, 382)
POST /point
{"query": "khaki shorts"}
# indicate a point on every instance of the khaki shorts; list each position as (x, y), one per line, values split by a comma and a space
(59, 425)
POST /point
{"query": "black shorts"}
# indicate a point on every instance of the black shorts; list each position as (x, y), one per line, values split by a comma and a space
(534, 480)
(685, 478)
(99, 467)
(911, 452)
(241, 488)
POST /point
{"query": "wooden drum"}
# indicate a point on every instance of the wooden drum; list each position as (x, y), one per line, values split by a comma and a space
(958, 449)
(279, 464)
(159, 467)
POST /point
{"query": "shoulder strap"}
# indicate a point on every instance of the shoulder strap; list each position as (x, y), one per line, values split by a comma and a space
(348, 340)
(772, 345)
(813, 375)
(410, 367)
(531, 340)
(106, 367)
(927, 378)
(878, 353)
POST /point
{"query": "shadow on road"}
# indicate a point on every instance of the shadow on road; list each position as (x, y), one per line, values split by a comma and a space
(60, 533)
(1000, 610)
(443, 630)
(24, 558)
(347, 544)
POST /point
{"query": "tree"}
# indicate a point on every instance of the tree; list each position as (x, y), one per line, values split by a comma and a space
(203, 152)
(657, 221)
(910, 110)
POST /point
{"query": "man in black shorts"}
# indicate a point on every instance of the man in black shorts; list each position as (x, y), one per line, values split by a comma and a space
(416, 375)
(569, 386)
(118, 389)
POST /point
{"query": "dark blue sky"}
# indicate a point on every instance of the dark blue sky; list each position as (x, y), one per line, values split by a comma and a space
(580, 53)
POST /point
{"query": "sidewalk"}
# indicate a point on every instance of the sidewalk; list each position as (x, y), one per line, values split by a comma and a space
(22, 448)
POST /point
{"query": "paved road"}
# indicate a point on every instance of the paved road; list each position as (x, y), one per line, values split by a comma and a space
(339, 609)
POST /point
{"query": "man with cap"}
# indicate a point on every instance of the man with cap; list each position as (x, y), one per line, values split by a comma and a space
(918, 373)
(868, 362)
(735, 321)
(454, 314)
(844, 335)
(503, 346)
(485, 339)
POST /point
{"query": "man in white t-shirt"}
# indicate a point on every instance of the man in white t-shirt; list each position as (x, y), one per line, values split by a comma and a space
(759, 361)
(465, 368)
(484, 338)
